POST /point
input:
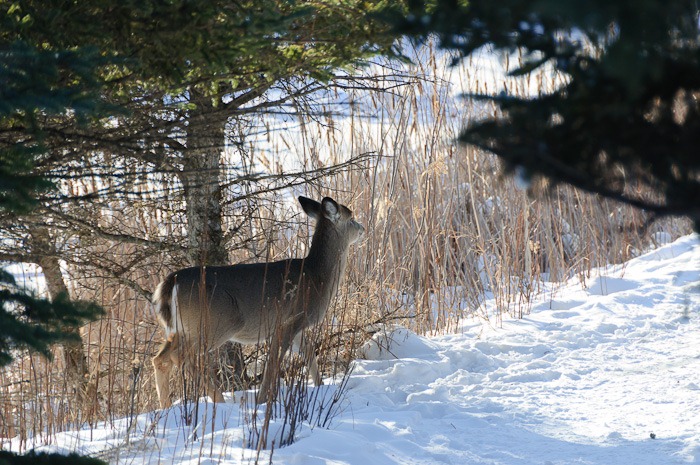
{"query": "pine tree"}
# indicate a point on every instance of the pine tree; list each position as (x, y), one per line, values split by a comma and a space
(33, 84)
(628, 118)
(184, 71)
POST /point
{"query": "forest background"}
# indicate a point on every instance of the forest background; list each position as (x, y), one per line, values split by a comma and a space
(138, 138)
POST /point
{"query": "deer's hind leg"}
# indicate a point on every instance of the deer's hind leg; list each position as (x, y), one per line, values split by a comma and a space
(176, 352)
(163, 364)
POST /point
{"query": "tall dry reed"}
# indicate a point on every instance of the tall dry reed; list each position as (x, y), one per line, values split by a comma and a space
(445, 231)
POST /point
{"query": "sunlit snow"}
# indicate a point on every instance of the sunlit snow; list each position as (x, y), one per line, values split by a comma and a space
(601, 372)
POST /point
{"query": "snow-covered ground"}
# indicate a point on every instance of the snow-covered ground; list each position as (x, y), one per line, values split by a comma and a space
(606, 374)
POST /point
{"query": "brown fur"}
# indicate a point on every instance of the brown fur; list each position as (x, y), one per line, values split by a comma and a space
(253, 303)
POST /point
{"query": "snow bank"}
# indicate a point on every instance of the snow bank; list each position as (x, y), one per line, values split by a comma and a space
(602, 372)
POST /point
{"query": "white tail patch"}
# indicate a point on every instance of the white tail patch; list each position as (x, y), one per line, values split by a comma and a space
(157, 292)
(250, 303)
(172, 328)
(159, 300)
(156, 301)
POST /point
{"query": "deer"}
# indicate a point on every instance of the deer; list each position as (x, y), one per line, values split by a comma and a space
(203, 307)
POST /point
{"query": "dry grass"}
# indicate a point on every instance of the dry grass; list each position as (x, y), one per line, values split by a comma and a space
(445, 230)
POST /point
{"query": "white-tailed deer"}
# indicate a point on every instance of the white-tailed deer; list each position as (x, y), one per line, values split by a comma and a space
(203, 307)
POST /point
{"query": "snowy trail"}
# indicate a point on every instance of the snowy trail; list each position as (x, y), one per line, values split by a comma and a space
(586, 378)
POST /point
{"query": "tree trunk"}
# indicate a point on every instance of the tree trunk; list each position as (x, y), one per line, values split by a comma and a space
(200, 177)
(201, 180)
(73, 353)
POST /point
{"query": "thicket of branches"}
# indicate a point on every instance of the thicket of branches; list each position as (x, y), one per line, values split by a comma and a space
(178, 84)
(626, 120)
(214, 115)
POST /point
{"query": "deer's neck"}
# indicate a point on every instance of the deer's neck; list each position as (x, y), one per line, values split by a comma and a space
(327, 256)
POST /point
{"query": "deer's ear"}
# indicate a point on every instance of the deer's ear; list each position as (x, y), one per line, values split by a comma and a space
(311, 207)
(331, 209)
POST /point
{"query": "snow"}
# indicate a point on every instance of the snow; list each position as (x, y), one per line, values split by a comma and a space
(605, 371)
(28, 276)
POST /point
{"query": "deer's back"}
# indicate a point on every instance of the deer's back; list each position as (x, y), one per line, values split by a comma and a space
(244, 302)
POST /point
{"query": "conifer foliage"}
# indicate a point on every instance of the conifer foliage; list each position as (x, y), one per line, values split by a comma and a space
(35, 84)
(628, 115)
(149, 85)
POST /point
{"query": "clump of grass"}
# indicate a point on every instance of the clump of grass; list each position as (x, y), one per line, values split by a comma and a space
(445, 231)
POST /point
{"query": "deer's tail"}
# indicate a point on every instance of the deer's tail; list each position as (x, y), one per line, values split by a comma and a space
(165, 303)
